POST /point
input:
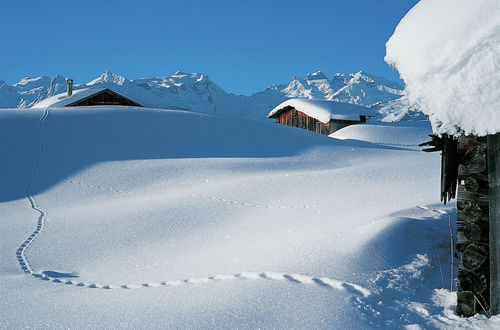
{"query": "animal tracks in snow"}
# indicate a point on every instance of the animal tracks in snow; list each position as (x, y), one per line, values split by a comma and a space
(252, 276)
(214, 198)
(20, 255)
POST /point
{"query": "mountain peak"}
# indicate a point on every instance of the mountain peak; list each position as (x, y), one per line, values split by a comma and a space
(29, 80)
(361, 76)
(181, 78)
(108, 77)
(180, 74)
(315, 76)
(58, 78)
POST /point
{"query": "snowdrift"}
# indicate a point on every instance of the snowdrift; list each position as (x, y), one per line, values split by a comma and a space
(409, 134)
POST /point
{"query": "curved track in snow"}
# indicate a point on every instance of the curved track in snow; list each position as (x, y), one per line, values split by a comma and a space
(20, 253)
(325, 282)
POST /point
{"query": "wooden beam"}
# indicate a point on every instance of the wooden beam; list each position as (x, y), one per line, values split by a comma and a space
(494, 185)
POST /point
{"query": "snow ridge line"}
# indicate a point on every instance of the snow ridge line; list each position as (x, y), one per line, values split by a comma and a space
(20, 252)
(215, 198)
(325, 282)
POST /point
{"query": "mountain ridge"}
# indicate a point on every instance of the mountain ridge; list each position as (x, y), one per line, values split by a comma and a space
(196, 92)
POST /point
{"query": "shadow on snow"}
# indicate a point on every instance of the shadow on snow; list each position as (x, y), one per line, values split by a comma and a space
(75, 139)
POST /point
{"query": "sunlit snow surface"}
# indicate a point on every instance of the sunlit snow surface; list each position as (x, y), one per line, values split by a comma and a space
(406, 133)
(448, 54)
(176, 219)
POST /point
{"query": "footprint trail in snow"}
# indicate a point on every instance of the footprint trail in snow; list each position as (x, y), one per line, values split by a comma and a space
(215, 198)
(274, 276)
(20, 253)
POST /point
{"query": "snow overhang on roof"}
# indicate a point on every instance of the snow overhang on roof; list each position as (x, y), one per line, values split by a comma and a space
(323, 111)
(62, 100)
(448, 54)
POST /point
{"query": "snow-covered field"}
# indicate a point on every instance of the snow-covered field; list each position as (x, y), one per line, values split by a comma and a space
(140, 218)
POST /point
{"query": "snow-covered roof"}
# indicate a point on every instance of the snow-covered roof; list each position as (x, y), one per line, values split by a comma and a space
(323, 111)
(448, 54)
(62, 100)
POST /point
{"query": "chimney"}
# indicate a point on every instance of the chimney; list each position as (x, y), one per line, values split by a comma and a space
(69, 84)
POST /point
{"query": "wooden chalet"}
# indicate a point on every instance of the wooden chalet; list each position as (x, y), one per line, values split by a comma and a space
(104, 97)
(87, 97)
(323, 117)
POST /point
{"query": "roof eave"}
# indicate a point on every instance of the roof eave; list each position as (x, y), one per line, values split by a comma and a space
(280, 111)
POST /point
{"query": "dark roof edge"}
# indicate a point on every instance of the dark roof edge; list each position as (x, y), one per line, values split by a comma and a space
(102, 91)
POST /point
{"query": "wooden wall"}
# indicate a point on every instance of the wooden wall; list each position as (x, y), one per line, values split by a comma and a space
(473, 227)
(493, 156)
(293, 117)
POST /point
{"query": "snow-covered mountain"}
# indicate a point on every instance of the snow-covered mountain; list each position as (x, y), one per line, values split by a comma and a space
(358, 88)
(196, 92)
(398, 110)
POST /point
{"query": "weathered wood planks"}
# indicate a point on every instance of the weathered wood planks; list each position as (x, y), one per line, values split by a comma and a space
(494, 215)
(473, 227)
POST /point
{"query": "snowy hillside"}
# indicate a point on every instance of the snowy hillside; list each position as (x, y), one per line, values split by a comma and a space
(147, 218)
(196, 92)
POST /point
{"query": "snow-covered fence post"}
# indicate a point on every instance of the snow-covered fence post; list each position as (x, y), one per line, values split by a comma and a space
(494, 188)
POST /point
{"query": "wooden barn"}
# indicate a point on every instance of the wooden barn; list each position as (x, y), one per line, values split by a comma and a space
(323, 117)
(87, 97)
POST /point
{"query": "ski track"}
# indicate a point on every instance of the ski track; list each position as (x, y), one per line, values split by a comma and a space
(25, 265)
(215, 198)
(20, 253)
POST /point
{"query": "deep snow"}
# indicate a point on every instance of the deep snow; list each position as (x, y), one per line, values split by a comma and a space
(448, 54)
(156, 218)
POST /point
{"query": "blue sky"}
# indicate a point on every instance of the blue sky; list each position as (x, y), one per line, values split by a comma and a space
(242, 45)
